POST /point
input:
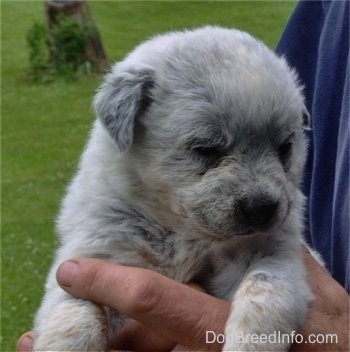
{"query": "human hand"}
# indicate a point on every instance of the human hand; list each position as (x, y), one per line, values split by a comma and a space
(328, 312)
(167, 313)
(154, 300)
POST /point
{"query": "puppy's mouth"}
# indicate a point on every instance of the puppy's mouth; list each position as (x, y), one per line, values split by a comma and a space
(246, 229)
(248, 232)
(225, 232)
(253, 231)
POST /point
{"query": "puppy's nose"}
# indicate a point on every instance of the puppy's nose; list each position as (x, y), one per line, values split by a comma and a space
(258, 212)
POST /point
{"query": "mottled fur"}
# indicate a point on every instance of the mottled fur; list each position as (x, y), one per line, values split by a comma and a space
(198, 133)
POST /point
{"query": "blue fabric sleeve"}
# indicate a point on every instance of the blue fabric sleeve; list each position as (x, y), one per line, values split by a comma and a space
(316, 43)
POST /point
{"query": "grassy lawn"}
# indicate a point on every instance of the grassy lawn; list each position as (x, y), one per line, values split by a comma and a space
(44, 127)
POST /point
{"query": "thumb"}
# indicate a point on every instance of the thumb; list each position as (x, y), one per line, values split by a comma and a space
(175, 311)
(25, 342)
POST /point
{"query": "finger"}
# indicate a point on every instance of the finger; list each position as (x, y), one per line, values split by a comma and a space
(177, 312)
(25, 342)
(328, 311)
(311, 262)
(321, 282)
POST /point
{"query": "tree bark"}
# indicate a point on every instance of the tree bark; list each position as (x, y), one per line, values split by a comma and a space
(79, 11)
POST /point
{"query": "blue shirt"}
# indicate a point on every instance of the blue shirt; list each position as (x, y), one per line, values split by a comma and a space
(316, 43)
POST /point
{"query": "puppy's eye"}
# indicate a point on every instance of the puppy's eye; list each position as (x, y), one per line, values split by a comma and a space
(207, 156)
(208, 152)
(284, 151)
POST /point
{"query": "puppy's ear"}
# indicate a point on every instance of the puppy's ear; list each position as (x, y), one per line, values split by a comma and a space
(306, 120)
(121, 99)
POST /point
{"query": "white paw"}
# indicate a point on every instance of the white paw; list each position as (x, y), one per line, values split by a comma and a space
(72, 325)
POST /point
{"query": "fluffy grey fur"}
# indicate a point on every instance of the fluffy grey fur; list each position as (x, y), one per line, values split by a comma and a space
(193, 164)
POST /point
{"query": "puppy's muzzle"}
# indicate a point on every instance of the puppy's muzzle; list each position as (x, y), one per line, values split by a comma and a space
(257, 213)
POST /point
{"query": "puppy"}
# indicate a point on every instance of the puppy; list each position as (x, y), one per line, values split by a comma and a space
(192, 170)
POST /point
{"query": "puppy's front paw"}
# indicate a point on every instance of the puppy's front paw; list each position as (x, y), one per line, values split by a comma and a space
(264, 315)
(72, 325)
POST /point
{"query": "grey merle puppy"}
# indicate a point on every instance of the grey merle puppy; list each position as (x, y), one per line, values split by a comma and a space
(192, 170)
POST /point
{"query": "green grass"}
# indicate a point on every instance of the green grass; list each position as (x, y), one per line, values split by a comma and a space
(44, 127)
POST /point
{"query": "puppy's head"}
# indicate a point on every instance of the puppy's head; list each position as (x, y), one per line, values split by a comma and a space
(211, 123)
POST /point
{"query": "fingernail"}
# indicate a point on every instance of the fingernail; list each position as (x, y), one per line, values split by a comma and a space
(66, 272)
(25, 344)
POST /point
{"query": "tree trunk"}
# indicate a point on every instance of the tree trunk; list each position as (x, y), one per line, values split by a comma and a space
(79, 11)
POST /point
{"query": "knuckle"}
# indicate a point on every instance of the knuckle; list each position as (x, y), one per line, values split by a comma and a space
(143, 295)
